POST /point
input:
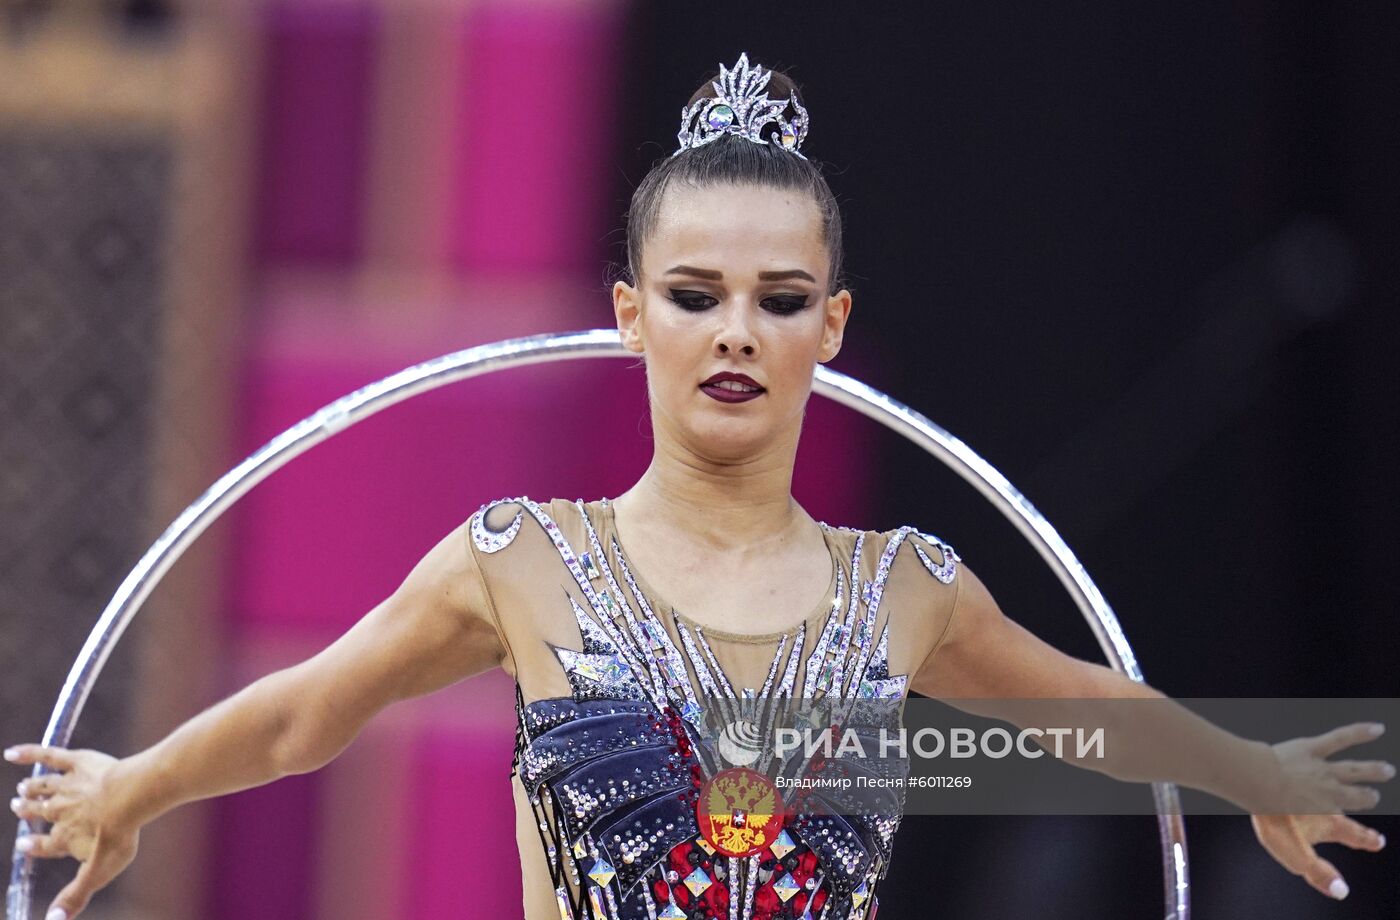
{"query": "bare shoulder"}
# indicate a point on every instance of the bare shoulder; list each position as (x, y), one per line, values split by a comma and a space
(444, 597)
(435, 628)
(987, 655)
(443, 578)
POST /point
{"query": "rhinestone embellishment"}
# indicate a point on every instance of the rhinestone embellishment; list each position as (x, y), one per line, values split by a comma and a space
(949, 568)
(602, 872)
(721, 116)
(490, 541)
(698, 881)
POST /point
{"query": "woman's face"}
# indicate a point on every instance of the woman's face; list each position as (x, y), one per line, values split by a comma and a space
(733, 278)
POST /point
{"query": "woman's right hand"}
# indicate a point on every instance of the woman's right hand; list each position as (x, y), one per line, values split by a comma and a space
(81, 801)
(1316, 792)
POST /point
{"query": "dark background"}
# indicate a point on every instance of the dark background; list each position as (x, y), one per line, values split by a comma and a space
(1142, 259)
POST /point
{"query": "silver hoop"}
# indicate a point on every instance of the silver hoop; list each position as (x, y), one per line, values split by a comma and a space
(594, 343)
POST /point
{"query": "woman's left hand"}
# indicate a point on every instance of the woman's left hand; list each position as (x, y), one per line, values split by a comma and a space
(1290, 839)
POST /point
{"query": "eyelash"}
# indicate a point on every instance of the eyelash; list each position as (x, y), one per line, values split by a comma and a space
(686, 301)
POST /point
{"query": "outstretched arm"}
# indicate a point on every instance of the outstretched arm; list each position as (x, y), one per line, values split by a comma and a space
(987, 663)
(431, 632)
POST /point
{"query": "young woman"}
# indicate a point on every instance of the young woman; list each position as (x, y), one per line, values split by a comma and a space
(705, 581)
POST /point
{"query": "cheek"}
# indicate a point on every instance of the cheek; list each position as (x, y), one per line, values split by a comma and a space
(671, 349)
(798, 338)
(793, 358)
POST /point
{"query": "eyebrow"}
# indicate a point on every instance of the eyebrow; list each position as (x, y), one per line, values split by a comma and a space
(711, 275)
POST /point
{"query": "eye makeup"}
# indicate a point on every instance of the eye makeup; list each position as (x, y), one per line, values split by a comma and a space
(695, 302)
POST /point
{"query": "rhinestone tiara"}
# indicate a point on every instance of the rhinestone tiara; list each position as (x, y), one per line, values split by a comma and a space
(740, 107)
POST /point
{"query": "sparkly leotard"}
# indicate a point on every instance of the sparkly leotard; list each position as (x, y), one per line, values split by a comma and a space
(608, 682)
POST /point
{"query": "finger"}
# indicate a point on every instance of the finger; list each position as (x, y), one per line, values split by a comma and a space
(75, 896)
(1352, 833)
(1345, 736)
(1288, 846)
(1324, 876)
(94, 874)
(1358, 798)
(1362, 771)
(46, 846)
(37, 786)
(30, 809)
(56, 757)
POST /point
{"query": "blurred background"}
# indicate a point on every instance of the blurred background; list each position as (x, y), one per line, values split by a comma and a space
(1142, 258)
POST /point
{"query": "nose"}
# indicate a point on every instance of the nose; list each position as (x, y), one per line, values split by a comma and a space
(735, 333)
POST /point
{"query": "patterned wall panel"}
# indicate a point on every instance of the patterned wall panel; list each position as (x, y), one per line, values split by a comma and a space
(82, 228)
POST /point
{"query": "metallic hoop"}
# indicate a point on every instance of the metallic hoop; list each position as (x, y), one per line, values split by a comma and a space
(538, 349)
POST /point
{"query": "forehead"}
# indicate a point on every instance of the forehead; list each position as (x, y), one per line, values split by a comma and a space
(737, 228)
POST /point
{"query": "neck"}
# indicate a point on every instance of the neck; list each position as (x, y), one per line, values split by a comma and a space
(715, 504)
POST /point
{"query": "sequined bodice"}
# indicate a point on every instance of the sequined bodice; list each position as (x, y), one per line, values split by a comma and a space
(610, 760)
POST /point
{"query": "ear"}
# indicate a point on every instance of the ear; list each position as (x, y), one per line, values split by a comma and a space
(627, 308)
(838, 310)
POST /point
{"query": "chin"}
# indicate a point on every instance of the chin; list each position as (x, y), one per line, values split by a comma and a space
(729, 438)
